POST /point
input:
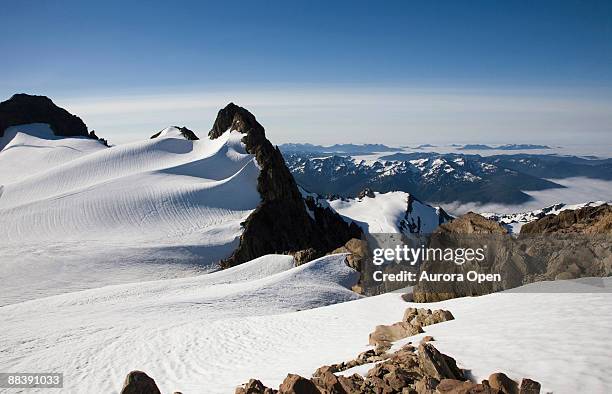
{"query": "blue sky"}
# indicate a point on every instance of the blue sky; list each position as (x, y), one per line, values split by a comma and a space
(544, 68)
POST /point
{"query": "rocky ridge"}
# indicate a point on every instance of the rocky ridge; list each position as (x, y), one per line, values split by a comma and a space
(408, 370)
(281, 223)
(587, 220)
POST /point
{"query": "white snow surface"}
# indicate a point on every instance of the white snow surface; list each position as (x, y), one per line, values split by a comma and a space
(265, 319)
(385, 212)
(75, 214)
(201, 334)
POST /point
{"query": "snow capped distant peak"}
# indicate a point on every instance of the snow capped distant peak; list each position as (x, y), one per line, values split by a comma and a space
(392, 212)
(176, 132)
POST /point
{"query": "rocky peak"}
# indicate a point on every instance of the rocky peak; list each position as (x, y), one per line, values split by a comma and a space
(281, 223)
(24, 109)
(233, 117)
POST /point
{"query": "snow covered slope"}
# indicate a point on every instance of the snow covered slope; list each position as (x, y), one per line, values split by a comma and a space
(78, 204)
(202, 334)
(213, 332)
(30, 149)
(392, 212)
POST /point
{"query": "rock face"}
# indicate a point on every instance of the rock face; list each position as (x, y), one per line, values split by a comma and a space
(587, 220)
(572, 244)
(185, 132)
(24, 108)
(281, 223)
(138, 382)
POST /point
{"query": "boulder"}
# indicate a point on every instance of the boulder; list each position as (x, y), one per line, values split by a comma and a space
(386, 334)
(529, 386)
(437, 365)
(296, 384)
(503, 383)
(254, 386)
(138, 382)
(454, 386)
(425, 317)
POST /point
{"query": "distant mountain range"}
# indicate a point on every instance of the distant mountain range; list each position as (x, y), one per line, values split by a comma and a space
(442, 177)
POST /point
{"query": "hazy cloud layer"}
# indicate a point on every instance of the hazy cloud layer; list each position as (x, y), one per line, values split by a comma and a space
(578, 190)
(330, 115)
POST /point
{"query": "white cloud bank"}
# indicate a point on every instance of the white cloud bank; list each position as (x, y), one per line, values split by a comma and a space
(578, 190)
(343, 114)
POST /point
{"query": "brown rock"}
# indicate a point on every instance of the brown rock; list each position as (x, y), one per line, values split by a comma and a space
(529, 386)
(427, 338)
(254, 386)
(305, 255)
(387, 334)
(425, 317)
(503, 383)
(438, 365)
(426, 386)
(138, 382)
(453, 386)
(351, 384)
(328, 383)
(295, 384)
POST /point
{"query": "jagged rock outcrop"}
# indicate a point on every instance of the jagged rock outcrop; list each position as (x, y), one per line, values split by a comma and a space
(403, 371)
(184, 131)
(24, 108)
(427, 371)
(281, 223)
(138, 382)
(587, 220)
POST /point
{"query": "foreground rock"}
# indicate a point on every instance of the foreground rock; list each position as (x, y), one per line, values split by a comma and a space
(138, 382)
(281, 223)
(413, 322)
(405, 371)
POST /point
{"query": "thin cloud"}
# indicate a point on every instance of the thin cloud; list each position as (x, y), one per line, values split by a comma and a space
(342, 114)
(578, 190)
